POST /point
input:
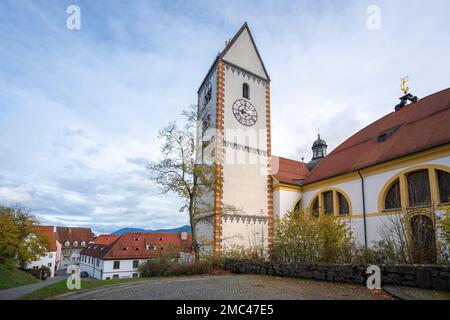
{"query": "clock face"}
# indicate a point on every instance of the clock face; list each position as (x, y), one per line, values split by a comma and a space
(245, 112)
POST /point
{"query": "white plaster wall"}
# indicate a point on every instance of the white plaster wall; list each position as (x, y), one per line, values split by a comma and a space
(244, 233)
(72, 257)
(126, 269)
(106, 269)
(205, 235)
(373, 185)
(284, 201)
(49, 258)
(244, 173)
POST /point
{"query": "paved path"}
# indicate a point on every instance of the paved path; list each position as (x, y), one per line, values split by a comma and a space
(232, 287)
(18, 292)
(408, 293)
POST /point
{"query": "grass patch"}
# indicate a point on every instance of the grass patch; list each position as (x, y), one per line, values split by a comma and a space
(60, 287)
(14, 278)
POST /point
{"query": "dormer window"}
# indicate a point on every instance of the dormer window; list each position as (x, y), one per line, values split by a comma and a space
(75, 243)
(83, 243)
(245, 91)
(151, 247)
(67, 243)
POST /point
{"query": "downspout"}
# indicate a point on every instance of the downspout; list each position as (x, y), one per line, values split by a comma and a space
(364, 211)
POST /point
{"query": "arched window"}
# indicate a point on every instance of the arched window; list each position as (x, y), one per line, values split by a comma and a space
(444, 185)
(298, 205)
(393, 200)
(418, 188)
(332, 202)
(245, 91)
(424, 185)
(328, 202)
(344, 208)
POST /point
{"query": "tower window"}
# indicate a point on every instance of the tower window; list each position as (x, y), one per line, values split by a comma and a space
(245, 91)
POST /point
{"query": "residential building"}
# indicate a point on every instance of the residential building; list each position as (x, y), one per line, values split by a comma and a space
(73, 240)
(52, 257)
(122, 257)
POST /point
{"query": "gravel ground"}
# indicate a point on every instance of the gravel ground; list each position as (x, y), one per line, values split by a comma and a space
(229, 287)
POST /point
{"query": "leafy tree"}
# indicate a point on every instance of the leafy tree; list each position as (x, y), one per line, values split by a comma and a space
(19, 242)
(178, 172)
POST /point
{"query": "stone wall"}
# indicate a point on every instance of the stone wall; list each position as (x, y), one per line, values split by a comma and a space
(422, 276)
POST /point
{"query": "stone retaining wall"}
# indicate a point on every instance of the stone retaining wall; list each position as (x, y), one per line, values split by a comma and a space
(422, 276)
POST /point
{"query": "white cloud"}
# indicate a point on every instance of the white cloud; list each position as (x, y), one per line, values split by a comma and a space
(80, 111)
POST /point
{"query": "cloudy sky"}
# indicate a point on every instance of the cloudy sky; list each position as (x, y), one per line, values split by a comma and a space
(80, 109)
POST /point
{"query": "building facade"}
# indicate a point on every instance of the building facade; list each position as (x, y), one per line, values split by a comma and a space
(398, 167)
(72, 241)
(116, 257)
(394, 171)
(51, 259)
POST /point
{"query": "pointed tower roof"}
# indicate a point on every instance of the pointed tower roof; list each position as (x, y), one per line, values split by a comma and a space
(242, 51)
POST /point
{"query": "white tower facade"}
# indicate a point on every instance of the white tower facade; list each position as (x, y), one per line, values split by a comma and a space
(234, 137)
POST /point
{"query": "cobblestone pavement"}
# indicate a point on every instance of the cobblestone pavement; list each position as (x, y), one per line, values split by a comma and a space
(228, 287)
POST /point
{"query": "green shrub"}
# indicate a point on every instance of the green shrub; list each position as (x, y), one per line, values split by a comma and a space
(241, 253)
(41, 273)
(307, 238)
(172, 267)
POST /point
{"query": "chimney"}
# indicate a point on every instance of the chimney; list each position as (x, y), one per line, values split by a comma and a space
(183, 235)
(70, 231)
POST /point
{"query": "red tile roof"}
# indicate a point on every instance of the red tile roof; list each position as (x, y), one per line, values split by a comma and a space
(48, 232)
(416, 127)
(70, 234)
(105, 239)
(289, 171)
(134, 246)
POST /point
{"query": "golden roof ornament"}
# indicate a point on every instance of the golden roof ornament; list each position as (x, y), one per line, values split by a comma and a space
(406, 95)
(403, 86)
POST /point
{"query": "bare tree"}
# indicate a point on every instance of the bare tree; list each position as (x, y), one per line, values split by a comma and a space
(178, 172)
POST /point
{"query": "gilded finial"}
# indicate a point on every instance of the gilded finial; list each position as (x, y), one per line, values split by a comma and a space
(403, 86)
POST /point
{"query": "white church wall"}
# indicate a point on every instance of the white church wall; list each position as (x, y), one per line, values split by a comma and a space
(205, 235)
(373, 185)
(284, 201)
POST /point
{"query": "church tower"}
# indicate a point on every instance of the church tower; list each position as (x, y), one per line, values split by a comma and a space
(233, 136)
